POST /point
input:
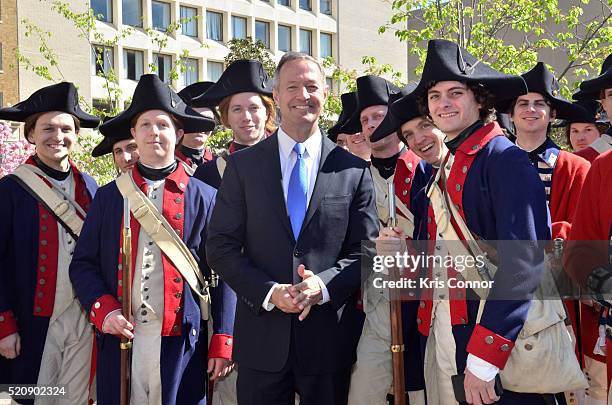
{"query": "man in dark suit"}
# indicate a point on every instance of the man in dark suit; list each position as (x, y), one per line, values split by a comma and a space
(286, 235)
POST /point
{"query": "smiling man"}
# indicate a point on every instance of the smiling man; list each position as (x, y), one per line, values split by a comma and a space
(45, 338)
(286, 235)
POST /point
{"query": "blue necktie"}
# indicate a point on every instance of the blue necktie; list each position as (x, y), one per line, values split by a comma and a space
(297, 192)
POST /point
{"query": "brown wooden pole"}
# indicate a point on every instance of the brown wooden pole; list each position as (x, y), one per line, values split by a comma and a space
(126, 306)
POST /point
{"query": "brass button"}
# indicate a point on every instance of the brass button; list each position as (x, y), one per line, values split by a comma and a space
(40, 294)
(43, 228)
(489, 340)
(144, 312)
(1, 318)
(458, 187)
(463, 321)
(404, 192)
(177, 280)
(93, 314)
(181, 185)
(419, 321)
(464, 169)
(175, 328)
(178, 295)
(43, 269)
(120, 283)
(505, 347)
(38, 309)
(41, 281)
(120, 266)
(43, 242)
(178, 216)
(178, 200)
(422, 304)
(176, 311)
(45, 216)
(229, 342)
(97, 305)
(407, 180)
(528, 346)
(43, 257)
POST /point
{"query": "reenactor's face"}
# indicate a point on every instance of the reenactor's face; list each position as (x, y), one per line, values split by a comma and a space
(341, 141)
(358, 145)
(606, 101)
(424, 139)
(197, 140)
(452, 107)
(125, 154)
(370, 119)
(246, 116)
(300, 93)
(531, 113)
(54, 136)
(582, 134)
(155, 136)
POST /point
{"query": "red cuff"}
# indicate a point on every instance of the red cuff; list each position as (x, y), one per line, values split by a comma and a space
(490, 346)
(102, 307)
(8, 324)
(221, 346)
(561, 230)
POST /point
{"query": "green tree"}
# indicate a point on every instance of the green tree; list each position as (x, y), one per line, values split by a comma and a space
(511, 34)
(246, 48)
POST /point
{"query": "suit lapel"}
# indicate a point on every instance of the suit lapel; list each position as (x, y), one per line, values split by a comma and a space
(271, 174)
(324, 175)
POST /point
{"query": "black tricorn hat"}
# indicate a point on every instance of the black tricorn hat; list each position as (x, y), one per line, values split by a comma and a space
(349, 103)
(584, 111)
(446, 61)
(371, 90)
(541, 80)
(195, 90)
(591, 89)
(107, 143)
(241, 76)
(395, 118)
(153, 94)
(57, 97)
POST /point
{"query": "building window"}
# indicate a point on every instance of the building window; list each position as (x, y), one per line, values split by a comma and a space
(1, 99)
(330, 83)
(163, 66)
(305, 5)
(285, 3)
(102, 60)
(325, 6)
(1, 57)
(190, 74)
(214, 70)
(306, 42)
(132, 12)
(326, 45)
(103, 10)
(284, 38)
(262, 32)
(214, 26)
(161, 15)
(133, 62)
(239, 27)
(189, 21)
(102, 104)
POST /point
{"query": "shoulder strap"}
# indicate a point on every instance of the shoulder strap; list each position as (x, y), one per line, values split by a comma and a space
(158, 228)
(221, 163)
(60, 204)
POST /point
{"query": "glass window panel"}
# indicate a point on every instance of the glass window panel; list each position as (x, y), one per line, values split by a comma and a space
(163, 63)
(262, 32)
(284, 2)
(326, 45)
(325, 6)
(190, 75)
(214, 70)
(102, 9)
(161, 15)
(239, 27)
(305, 5)
(214, 26)
(133, 64)
(132, 12)
(284, 38)
(306, 42)
(101, 60)
(189, 21)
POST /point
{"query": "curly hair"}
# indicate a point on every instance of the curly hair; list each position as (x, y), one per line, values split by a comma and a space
(482, 96)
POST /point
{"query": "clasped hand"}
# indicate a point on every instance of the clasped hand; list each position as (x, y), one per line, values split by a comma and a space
(298, 298)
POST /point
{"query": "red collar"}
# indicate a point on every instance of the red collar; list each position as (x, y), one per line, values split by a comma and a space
(479, 139)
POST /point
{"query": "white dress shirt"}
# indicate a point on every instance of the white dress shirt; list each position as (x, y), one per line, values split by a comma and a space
(288, 158)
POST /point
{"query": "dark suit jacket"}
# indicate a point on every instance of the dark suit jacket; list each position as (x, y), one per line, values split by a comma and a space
(251, 246)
